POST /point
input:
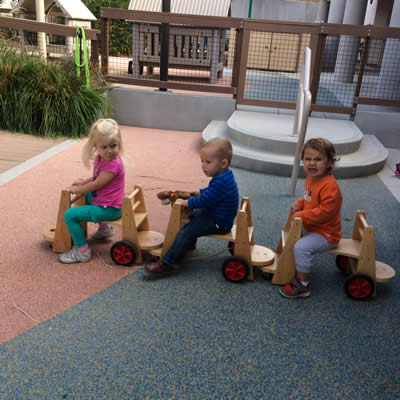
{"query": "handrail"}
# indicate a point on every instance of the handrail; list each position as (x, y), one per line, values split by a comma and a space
(303, 107)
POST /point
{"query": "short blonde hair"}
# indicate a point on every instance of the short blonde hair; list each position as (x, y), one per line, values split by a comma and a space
(222, 146)
(102, 131)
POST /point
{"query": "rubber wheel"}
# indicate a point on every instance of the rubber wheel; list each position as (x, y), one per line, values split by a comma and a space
(268, 276)
(343, 263)
(359, 286)
(235, 269)
(231, 247)
(123, 253)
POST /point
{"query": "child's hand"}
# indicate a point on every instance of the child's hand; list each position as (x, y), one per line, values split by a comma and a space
(73, 189)
(78, 182)
(182, 202)
(293, 210)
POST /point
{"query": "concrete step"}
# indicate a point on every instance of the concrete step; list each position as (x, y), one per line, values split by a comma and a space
(369, 157)
(272, 132)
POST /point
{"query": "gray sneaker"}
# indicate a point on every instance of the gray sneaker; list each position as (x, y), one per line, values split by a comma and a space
(102, 234)
(75, 256)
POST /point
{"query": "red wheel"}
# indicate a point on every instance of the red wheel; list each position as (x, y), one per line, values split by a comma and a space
(123, 253)
(235, 269)
(359, 286)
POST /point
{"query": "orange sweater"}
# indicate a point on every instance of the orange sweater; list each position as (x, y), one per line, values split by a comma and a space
(320, 208)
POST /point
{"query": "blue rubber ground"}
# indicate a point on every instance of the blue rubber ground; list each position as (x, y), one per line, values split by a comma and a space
(195, 335)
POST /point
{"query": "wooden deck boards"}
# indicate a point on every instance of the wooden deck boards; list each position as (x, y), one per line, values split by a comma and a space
(16, 148)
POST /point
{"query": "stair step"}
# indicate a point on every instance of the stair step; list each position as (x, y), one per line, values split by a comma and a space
(273, 132)
(367, 160)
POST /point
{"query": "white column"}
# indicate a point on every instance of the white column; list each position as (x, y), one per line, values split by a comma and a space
(69, 40)
(41, 35)
(354, 14)
(370, 13)
(335, 16)
(322, 12)
(389, 79)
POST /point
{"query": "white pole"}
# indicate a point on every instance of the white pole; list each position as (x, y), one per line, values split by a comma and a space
(41, 35)
(303, 108)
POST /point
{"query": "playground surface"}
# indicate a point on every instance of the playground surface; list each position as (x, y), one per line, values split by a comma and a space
(96, 331)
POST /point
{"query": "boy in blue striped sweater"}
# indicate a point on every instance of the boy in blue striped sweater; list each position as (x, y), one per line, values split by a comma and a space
(213, 210)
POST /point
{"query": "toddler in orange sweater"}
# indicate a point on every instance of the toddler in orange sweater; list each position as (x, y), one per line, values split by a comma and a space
(319, 210)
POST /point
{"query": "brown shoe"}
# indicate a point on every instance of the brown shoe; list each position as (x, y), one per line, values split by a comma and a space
(158, 269)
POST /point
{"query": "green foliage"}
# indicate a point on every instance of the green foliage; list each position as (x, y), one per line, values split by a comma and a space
(47, 99)
(120, 31)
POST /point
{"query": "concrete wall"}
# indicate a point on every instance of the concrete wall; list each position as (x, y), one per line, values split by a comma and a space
(280, 10)
(168, 110)
(385, 125)
(187, 112)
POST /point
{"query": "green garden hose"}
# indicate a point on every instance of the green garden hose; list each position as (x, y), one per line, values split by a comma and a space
(80, 36)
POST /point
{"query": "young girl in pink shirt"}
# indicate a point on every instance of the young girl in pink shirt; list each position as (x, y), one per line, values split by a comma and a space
(319, 210)
(104, 189)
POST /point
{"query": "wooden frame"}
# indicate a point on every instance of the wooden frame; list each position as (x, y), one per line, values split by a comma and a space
(242, 235)
(360, 249)
(243, 27)
(134, 223)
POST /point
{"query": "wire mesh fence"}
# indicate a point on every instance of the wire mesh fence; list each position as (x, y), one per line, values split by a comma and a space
(351, 65)
(274, 63)
(381, 78)
(53, 47)
(339, 71)
(195, 54)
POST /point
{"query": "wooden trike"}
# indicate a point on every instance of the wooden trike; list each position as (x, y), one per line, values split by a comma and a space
(355, 257)
(245, 254)
(136, 234)
(137, 237)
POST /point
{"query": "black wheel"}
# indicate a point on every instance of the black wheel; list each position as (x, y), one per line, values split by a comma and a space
(231, 247)
(343, 263)
(235, 269)
(268, 276)
(359, 286)
(123, 253)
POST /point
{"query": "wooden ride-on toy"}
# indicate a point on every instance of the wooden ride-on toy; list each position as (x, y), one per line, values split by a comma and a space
(355, 257)
(136, 234)
(246, 254)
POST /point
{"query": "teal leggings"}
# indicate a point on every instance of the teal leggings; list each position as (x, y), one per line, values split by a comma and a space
(89, 213)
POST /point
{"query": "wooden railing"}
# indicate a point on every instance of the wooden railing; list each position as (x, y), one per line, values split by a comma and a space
(262, 61)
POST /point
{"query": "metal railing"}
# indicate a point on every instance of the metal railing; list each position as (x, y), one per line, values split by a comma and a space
(303, 107)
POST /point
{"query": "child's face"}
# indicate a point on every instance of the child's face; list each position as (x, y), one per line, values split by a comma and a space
(210, 163)
(316, 163)
(108, 150)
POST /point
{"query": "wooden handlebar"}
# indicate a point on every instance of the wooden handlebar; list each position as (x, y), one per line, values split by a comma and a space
(134, 193)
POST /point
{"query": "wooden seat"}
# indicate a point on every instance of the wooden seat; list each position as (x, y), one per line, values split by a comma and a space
(348, 248)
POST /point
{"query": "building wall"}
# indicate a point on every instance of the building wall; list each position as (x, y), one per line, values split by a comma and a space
(280, 10)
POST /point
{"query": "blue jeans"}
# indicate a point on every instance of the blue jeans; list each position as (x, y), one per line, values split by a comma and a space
(201, 224)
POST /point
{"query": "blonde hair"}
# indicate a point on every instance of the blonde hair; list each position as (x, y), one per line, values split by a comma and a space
(222, 146)
(102, 131)
(323, 146)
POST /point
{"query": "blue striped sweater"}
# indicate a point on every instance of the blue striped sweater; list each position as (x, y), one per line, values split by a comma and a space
(221, 198)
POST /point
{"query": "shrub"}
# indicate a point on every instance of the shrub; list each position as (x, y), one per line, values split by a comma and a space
(47, 99)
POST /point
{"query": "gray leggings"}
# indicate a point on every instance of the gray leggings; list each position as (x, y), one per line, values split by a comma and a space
(306, 247)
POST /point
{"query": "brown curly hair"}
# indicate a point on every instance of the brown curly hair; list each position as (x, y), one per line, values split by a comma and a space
(324, 146)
